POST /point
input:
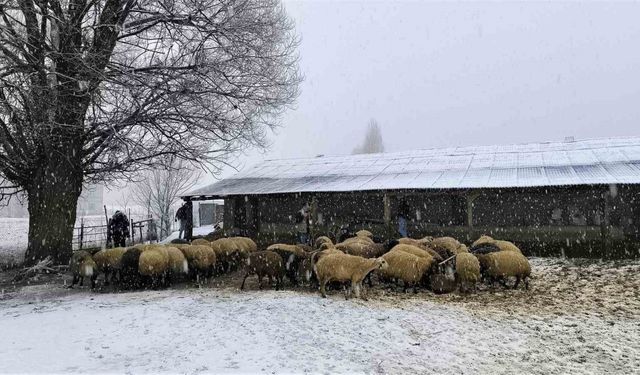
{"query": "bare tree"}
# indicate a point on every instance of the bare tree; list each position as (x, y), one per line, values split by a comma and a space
(372, 140)
(94, 90)
(159, 190)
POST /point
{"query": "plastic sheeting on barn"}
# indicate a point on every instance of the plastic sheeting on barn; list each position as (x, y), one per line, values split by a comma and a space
(586, 162)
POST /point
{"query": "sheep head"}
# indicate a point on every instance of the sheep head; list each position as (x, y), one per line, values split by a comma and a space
(381, 264)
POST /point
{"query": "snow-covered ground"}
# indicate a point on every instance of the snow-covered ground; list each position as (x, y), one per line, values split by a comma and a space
(577, 318)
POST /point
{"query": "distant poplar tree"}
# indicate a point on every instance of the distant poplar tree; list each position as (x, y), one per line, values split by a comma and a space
(372, 141)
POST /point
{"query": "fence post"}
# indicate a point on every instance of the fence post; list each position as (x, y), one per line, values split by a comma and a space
(132, 231)
(81, 231)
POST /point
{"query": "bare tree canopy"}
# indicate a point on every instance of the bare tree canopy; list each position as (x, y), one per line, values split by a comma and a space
(92, 90)
(372, 140)
(161, 189)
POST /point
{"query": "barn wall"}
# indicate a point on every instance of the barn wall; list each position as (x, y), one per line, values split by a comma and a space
(543, 221)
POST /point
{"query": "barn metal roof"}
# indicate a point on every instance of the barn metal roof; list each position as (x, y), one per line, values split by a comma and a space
(586, 162)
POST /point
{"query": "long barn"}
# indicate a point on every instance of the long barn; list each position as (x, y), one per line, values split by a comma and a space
(575, 198)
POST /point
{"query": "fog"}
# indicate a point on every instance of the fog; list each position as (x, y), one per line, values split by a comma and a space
(456, 74)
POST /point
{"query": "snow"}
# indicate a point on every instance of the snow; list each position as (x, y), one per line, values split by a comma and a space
(584, 162)
(559, 326)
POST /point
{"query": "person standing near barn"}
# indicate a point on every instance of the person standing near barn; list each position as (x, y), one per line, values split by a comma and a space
(302, 224)
(404, 212)
(119, 227)
(181, 216)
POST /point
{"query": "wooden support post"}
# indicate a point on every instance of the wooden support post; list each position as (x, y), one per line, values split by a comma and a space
(188, 230)
(471, 197)
(605, 232)
(387, 214)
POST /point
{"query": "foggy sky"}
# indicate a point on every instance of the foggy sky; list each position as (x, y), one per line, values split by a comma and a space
(457, 74)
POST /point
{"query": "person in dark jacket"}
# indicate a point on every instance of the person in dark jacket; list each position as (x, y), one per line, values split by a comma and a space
(181, 216)
(404, 213)
(119, 227)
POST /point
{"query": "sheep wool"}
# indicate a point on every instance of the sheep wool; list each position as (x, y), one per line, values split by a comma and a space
(177, 262)
(503, 245)
(322, 240)
(197, 257)
(264, 263)
(246, 244)
(467, 270)
(503, 264)
(200, 241)
(326, 246)
(109, 259)
(407, 267)
(364, 233)
(82, 265)
(451, 244)
(344, 267)
(153, 263)
(419, 252)
(365, 240)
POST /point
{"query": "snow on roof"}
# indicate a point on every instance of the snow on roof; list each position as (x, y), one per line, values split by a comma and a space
(586, 162)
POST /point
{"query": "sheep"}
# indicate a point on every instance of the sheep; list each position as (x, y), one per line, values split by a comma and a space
(264, 263)
(417, 251)
(292, 256)
(82, 265)
(484, 248)
(503, 245)
(374, 250)
(503, 264)
(365, 240)
(343, 268)
(177, 262)
(316, 256)
(199, 259)
(467, 271)
(450, 243)
(364, 233)
(326, 246)
(129, 264)
(154, 264)
(407, 267)
(322, 240)
(245, 244)
(229, 253)
(108, 262)
(200, 241)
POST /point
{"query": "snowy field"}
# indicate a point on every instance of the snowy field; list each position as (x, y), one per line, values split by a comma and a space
(577, 318)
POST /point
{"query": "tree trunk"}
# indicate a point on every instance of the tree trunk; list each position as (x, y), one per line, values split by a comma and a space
(53, 198)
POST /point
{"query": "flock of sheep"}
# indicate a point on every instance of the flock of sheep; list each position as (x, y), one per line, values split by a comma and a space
(440, 264)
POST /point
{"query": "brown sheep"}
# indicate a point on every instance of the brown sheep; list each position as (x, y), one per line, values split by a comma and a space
(343, 268)
(154, 264)
(200, 242)
(451, 244)
(292, 256)
(108, 262)
(467, 271)
(364, 233)
(503, 245)
(82, 265)
(503, 264)
(322, 240)
(264, 263)
(417, 251)
(407, 267)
